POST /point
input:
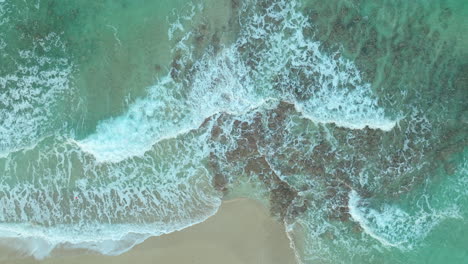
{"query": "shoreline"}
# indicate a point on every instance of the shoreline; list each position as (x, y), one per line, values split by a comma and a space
(241, 232)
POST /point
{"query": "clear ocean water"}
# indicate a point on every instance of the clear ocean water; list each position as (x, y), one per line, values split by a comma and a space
(121, 120)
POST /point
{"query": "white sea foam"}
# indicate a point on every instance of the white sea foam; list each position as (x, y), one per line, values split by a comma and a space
(167, 112)
(336, 93)
(105, 208)
(384, 227)
(393, 226)
(107, 239)
(30, 95)
(223, 82)
(3, 12)
(143, 173)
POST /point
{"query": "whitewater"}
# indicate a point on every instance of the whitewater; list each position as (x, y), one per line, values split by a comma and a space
(151, 168)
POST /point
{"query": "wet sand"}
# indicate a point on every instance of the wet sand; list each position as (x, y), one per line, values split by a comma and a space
(242, 232)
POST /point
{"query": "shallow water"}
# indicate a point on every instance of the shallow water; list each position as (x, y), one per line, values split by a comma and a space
(133, 119)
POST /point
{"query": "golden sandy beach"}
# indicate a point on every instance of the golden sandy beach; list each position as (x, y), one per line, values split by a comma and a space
(242, 232)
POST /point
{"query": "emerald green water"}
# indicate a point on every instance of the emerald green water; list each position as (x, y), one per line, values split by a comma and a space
(121, 120)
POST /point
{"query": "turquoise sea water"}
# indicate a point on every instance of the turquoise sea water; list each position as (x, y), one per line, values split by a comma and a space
(121, 120)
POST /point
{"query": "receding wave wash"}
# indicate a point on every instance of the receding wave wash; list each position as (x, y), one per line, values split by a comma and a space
(122, 120)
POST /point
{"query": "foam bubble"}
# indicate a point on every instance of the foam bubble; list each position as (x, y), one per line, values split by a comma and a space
(227, 82)
(167, 112)
(62, 198)
(107, 239)
(326, 88)
(31, 94)
(393, 226)
(142, 173)
(3, 11)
